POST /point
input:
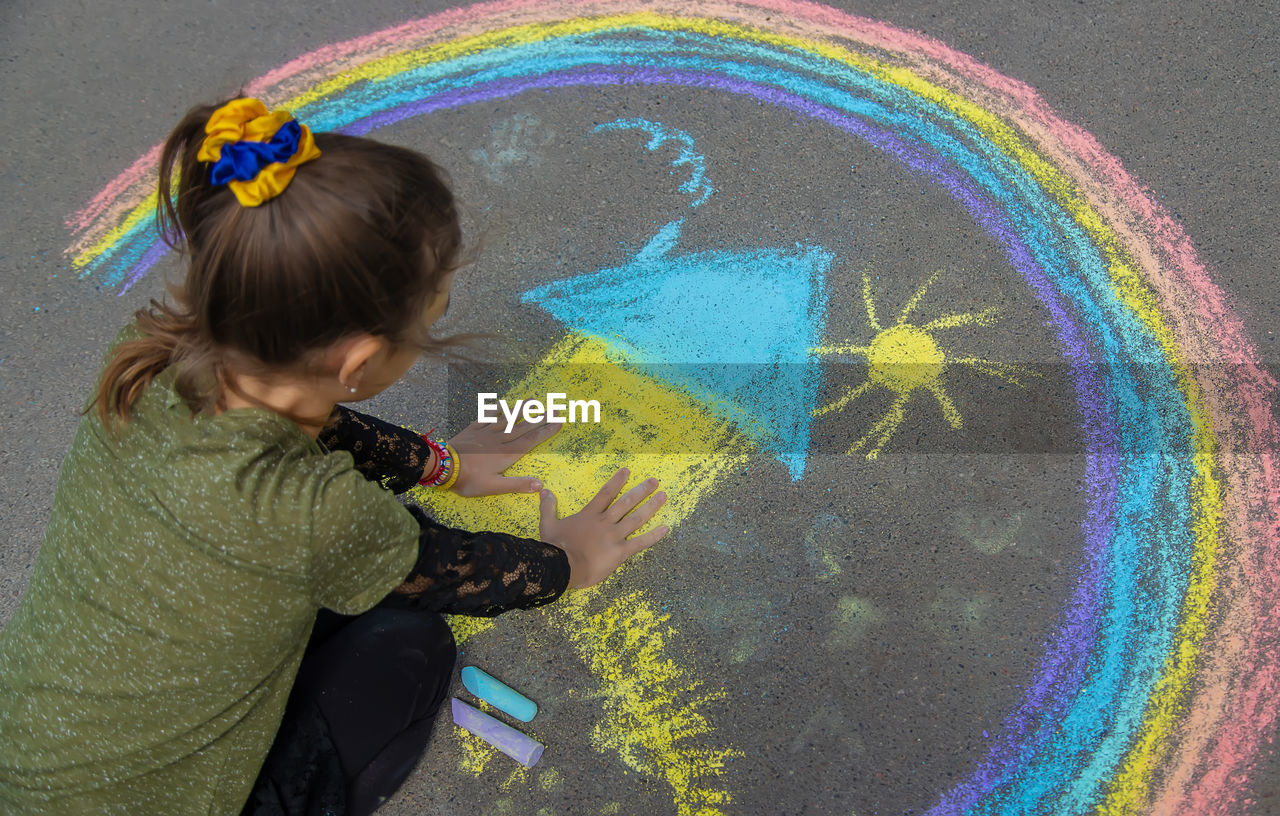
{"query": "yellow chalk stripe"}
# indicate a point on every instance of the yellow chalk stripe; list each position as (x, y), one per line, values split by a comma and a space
(140, 213)
(651, 714)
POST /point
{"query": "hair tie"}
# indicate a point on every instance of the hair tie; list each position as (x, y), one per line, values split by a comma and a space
(254, 152)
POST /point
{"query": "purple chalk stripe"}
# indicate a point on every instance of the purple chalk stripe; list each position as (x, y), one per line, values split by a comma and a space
(149, 259)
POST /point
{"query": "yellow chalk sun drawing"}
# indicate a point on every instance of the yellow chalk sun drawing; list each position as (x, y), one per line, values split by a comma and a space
(905, 358)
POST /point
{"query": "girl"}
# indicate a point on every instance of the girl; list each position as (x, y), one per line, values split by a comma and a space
(231, 612)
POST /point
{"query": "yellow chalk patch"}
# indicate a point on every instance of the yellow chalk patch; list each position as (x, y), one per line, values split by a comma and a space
(853, 617)
(465, 628)
(476, 753)
(903, 359)
(550, 779)
(647, 426)
(652, 711)
(519, 775)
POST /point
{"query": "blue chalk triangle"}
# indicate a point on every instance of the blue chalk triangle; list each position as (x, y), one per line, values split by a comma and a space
(733, 329)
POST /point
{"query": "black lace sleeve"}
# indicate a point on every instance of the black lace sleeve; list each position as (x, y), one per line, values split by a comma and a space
(480, 574)
(393, 456)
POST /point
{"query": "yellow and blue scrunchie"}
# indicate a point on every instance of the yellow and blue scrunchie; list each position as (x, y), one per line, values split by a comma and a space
(254, 152)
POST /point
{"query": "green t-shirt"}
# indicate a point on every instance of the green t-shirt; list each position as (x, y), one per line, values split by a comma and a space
(147, 667)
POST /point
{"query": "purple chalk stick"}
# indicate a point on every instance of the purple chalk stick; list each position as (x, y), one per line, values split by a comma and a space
(522, 749)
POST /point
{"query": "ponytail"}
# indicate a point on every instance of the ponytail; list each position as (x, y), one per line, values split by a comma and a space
(135, 363)
(169, 333)
(359, 242)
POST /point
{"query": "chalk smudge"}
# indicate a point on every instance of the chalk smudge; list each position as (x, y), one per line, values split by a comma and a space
(987, 534)
(512, 141)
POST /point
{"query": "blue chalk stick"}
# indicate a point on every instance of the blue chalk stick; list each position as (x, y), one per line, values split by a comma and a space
(523, 749)
(498, 694)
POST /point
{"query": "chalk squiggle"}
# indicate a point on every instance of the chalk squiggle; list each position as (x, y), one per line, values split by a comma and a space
(661, 134)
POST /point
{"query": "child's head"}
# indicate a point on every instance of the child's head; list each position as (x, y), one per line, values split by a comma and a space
(361, 241)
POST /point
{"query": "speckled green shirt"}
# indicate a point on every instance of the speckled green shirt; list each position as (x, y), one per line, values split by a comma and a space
(147, 667)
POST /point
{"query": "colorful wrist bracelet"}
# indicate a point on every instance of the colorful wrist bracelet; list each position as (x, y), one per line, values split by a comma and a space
(442, 457)
(455, 468)
(448, 465)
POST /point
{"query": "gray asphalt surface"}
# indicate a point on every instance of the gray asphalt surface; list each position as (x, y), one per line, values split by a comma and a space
(1184, 95)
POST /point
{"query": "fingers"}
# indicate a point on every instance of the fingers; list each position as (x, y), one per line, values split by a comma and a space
(642, 515)
(529, 434)
(631, 499)
(643, 542)
(546, 509)
(608, 493)
(516, 484)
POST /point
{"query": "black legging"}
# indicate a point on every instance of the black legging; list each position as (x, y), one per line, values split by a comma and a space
(359, 715)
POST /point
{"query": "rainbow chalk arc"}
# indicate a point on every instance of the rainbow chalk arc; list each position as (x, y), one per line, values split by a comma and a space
(1158, 690)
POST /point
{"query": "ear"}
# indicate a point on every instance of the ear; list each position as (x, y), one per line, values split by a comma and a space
(353, 356)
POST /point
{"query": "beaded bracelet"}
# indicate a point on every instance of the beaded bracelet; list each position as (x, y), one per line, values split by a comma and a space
(455, 468)
(448, 465)
(435, 447)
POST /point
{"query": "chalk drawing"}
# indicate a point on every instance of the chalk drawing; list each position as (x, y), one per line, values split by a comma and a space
(739, 342)
(958, 616)
(744, 622)
(624, 642)
(512, 142)
(827, 725)
(698, 182)
(905, 358)
(550, 779)
(1156, 692)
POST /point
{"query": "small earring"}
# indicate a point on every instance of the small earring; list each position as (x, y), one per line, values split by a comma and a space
(353, 389)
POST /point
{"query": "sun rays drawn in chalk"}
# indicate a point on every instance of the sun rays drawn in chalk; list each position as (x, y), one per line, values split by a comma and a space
(904, 358)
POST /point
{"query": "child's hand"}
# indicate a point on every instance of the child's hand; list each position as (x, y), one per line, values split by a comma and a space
(486, 450)
(595, 538)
